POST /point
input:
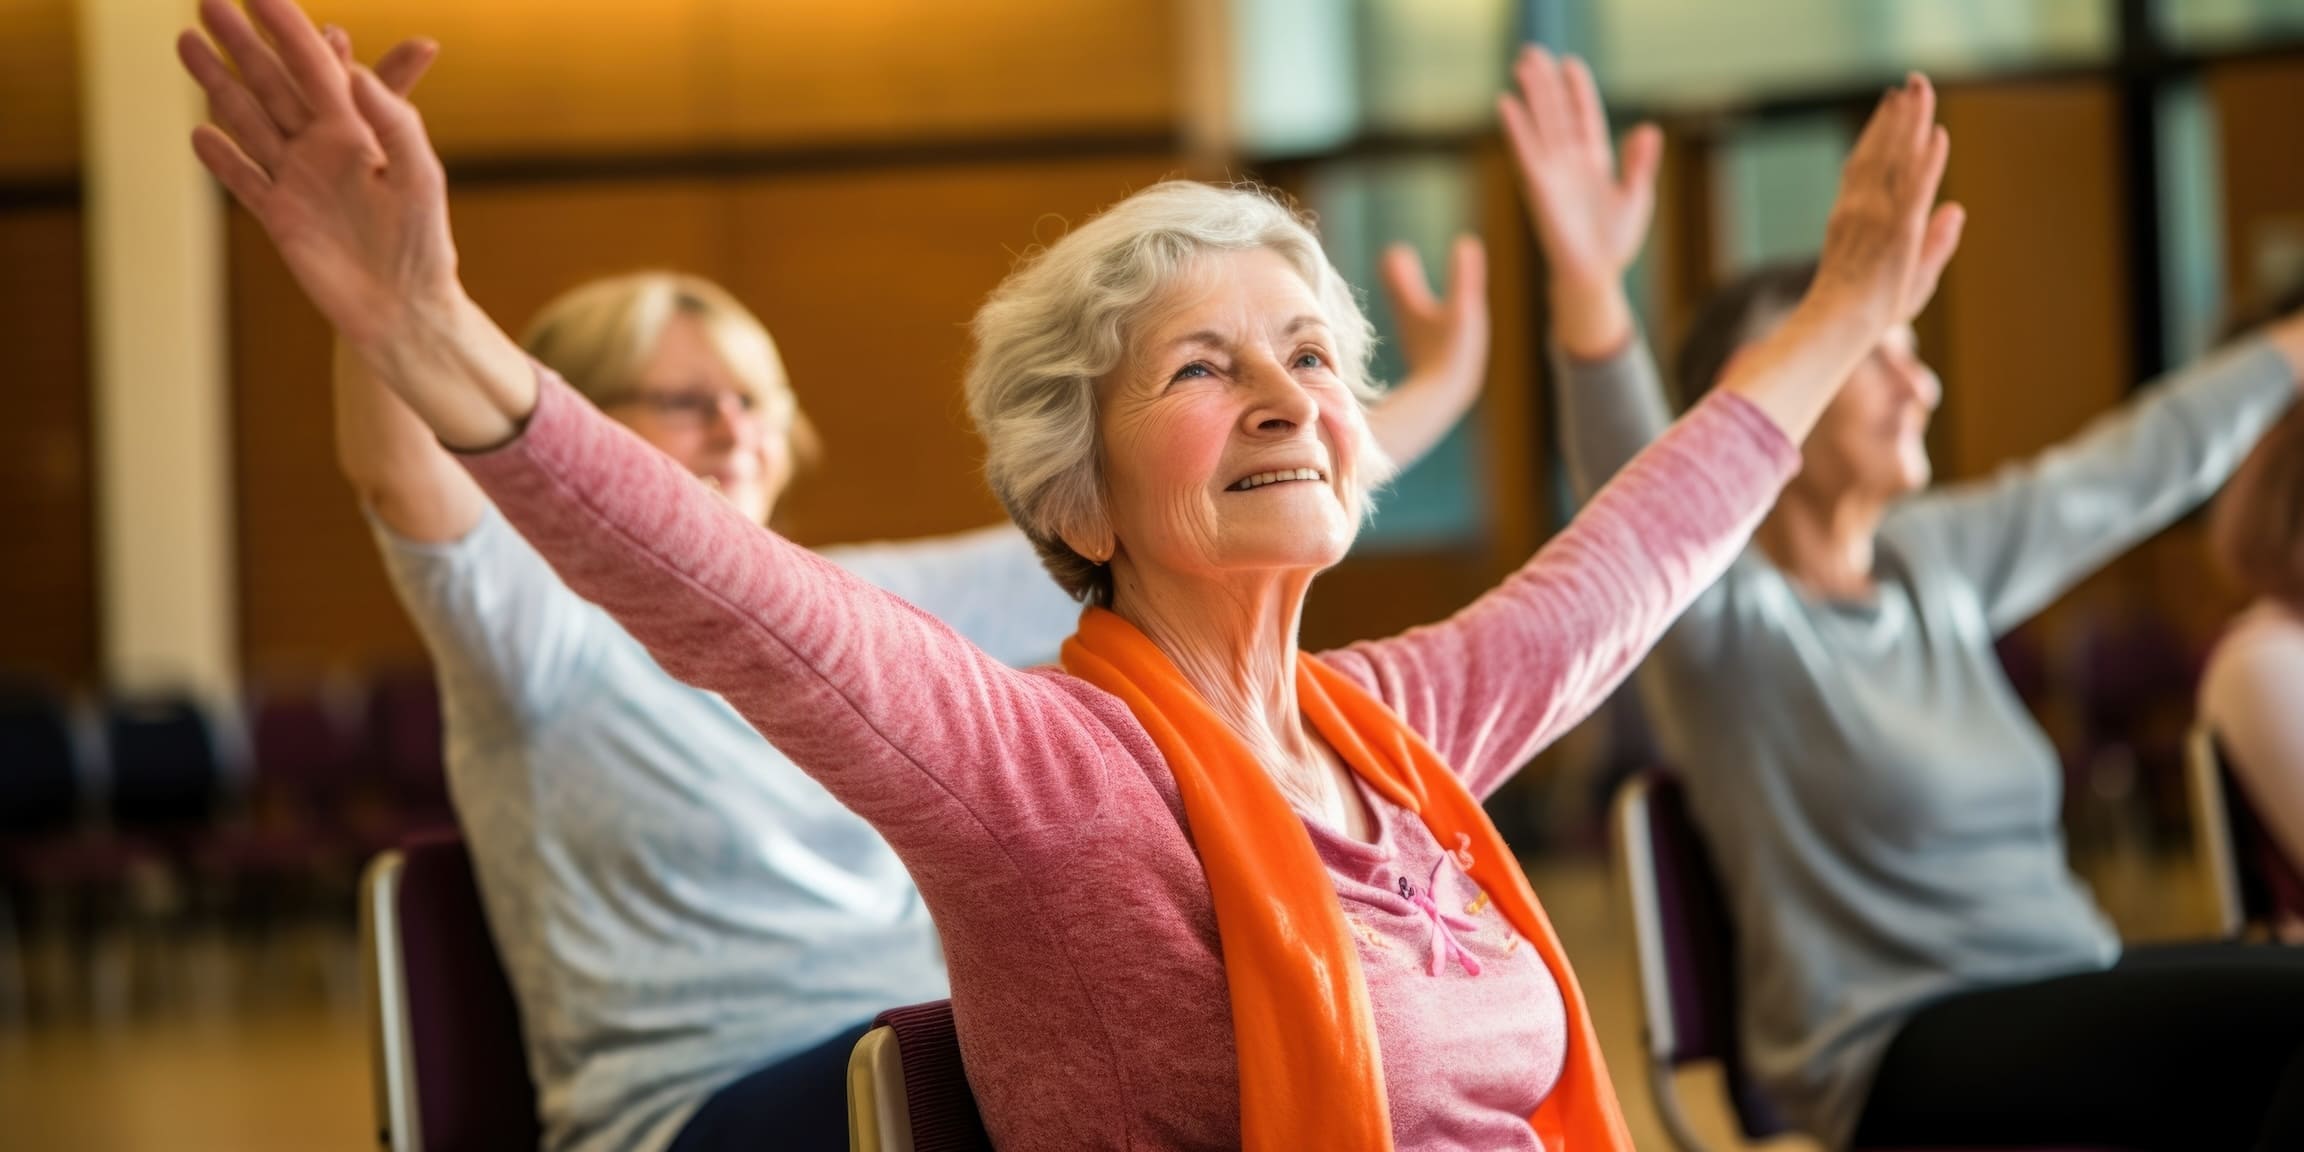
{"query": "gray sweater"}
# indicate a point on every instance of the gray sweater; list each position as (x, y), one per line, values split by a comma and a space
(1882, 810)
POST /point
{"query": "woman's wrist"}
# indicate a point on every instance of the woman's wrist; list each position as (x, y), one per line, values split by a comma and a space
(2287, 337)
(1591, 316)
(468, 380)
(1793, 373)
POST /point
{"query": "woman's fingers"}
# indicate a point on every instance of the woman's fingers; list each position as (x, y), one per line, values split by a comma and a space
(400, 68)
(1547, 102)
(240, 176)
(1923, 111)
(405, 65)
(1467, 302)
(1468, 272)
(1643, 154)
(407, 151)
(1520, 134)
(1584, 111)
(307, 58)
(1936, 248)
(1934, 155)
(230, 104)
(1402, 272)
(260, 70)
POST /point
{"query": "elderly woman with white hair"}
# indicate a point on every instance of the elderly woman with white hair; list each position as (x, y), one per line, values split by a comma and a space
(696, 932)
(1196, 890)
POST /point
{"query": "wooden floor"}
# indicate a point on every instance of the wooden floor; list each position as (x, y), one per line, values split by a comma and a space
(199, 1045)
(272, 1055)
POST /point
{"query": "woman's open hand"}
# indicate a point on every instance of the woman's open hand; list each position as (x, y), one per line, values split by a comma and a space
(1444, 343)
(1884, 247)
(333, 163)
(1590, 216)
(1887, 240)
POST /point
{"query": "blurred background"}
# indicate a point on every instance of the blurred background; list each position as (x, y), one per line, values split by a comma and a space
(212, 710)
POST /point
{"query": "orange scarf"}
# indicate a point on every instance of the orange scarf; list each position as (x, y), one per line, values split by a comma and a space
(1310, 1076)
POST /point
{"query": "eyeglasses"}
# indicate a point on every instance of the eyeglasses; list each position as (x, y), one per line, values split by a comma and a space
(695, 407)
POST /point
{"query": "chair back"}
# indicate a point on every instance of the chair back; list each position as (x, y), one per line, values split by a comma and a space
(166, 774)
(451, 1072)
(40, 769)
(404, 730)
(2250, 880)
(1685, 952)
(304, 751)
(907, 1090)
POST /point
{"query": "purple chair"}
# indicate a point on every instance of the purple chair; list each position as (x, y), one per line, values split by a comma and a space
(1685, 950)
(451, 1072)
(403, 731)
(907, 1091)
(1685, 953)
(49, 854)
(305, 750)
(302, 756)
(2251, 882)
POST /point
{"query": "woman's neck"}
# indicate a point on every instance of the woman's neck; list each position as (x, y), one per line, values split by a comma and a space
(1235, 643)
(1823, 542)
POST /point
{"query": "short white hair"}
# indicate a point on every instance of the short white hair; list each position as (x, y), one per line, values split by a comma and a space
(1062, 320)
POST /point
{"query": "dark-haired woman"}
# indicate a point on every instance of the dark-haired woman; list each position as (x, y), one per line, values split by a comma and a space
(1919, 966)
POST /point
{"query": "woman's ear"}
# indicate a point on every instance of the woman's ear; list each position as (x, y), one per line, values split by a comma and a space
(1091, 537)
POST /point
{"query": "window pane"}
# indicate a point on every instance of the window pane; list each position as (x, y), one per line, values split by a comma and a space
(1677, 51)
(1434, 65)
(1425, 202)
(1778, 179)
(2203, 24)
(2191, 222)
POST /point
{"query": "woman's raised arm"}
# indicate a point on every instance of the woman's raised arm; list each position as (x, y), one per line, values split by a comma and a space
(866, 693)
(338, 170)
(1521, 664)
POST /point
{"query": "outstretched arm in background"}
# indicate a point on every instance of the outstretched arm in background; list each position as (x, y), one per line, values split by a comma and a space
(1591, 220)
(862, 691)
(1444, 341)
(1573, 622)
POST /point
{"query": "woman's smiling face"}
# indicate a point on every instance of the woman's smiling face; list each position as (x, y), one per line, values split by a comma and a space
(1229, 440)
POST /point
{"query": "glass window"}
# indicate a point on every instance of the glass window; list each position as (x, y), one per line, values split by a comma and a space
(1434, 66)
(1365, 205)
(1777, 180)
(1695, 51)
(2205, 24)
(2191, 222)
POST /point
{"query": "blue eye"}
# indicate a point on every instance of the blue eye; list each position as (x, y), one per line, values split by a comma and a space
(1190, 371)
(1310, 360)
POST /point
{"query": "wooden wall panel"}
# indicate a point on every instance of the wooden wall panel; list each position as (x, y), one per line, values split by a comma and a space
(47, 559)
(528, 77)
(865, 69)
(2259, 108)
(311, 593)
(2032, 308)
(519, 246)
(547, 76)
(39, 90)
(2029, 326)
(1378, 594)
(869, 282)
